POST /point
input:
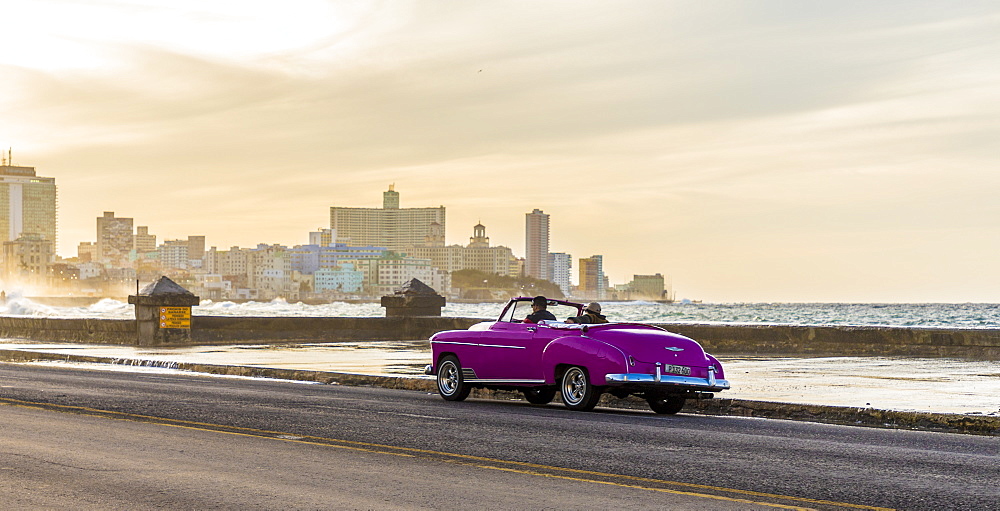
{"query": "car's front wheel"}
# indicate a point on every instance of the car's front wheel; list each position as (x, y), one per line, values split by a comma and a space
(539, 395)
(578, 392)
(666, 405)
(451, 384)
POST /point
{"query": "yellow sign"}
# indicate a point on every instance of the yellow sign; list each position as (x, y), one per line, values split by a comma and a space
(175, 317)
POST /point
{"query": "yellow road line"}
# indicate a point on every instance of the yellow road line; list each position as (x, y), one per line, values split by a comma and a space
(661, 490)
(464, 459)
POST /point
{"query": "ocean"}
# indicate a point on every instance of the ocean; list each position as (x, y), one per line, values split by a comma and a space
(940, 315)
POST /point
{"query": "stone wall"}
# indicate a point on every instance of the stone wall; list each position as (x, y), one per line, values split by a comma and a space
(717, 339)
(235, 330)
(82, 330)
(221, 329)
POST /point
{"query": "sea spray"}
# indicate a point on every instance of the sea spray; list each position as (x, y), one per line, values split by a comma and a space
(986, 316)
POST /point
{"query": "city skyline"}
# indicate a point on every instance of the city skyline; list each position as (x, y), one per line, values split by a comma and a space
(750, 152)
(406, 224)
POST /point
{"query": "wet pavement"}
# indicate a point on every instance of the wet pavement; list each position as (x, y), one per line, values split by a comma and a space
(887, 383)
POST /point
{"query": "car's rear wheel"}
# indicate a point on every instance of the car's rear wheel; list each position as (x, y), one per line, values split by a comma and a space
(578, 392)
(539, 395)
(666, 405)
(451, 384)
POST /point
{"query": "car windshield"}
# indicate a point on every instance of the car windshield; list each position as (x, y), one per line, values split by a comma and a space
(519, 310)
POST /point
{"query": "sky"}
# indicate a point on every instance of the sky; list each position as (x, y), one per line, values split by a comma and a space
(773, 151)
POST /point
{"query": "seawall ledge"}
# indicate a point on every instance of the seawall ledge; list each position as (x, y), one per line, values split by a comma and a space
(724, 339)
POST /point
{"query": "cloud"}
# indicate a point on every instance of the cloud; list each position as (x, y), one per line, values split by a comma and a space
(657, 133)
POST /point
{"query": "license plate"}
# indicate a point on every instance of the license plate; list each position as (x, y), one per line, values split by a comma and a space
(681, 370)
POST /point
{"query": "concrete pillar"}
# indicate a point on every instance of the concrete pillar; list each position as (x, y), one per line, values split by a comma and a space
(163, 313)
(414, 299)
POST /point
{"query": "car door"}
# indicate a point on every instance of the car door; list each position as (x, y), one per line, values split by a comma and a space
(503, 351)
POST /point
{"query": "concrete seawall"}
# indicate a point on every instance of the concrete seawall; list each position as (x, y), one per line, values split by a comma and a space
(83, 330)
(223, 330)
(235, 330)
(980, 344)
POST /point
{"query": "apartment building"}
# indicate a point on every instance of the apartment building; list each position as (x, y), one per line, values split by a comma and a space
(536, 245)
(27, 203)
(114, 239)
(389, 226)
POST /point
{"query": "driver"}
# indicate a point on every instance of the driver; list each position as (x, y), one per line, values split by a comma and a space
(538, 311)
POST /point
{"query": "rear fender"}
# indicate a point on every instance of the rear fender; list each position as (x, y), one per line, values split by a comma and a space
(719, 373)
(600, 358)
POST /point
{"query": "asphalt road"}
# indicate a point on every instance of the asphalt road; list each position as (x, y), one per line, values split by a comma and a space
(95, 439)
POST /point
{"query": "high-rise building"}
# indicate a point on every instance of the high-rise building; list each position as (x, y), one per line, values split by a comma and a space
(144, 242)
(174, 254)
(536, 245)
(562, 266)
(114, 238)
(389, 226)
(592, 280)
(27, 203)
(196, 249)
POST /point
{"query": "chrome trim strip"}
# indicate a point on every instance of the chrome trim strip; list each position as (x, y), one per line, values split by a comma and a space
(479, 345)
(504, 381)
(667, 380)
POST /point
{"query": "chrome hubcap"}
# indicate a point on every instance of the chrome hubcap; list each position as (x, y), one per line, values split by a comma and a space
(574, 386)
(448, 379)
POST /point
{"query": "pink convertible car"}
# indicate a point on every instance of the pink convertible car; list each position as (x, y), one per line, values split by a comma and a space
(578, 361)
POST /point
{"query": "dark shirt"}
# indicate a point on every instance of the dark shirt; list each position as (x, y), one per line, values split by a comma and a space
(535, 317)
(589, 318)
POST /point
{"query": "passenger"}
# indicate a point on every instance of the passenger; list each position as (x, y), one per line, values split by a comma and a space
(591, 315)
(538, 311)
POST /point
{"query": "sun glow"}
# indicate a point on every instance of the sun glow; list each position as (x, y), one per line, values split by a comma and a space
(57, 35)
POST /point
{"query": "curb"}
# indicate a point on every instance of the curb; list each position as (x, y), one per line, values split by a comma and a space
(987, 425)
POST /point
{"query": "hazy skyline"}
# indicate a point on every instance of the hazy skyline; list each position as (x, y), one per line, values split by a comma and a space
(768, 151)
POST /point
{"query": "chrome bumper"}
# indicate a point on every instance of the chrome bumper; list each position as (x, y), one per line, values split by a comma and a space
(704, 384)
(429, 369)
